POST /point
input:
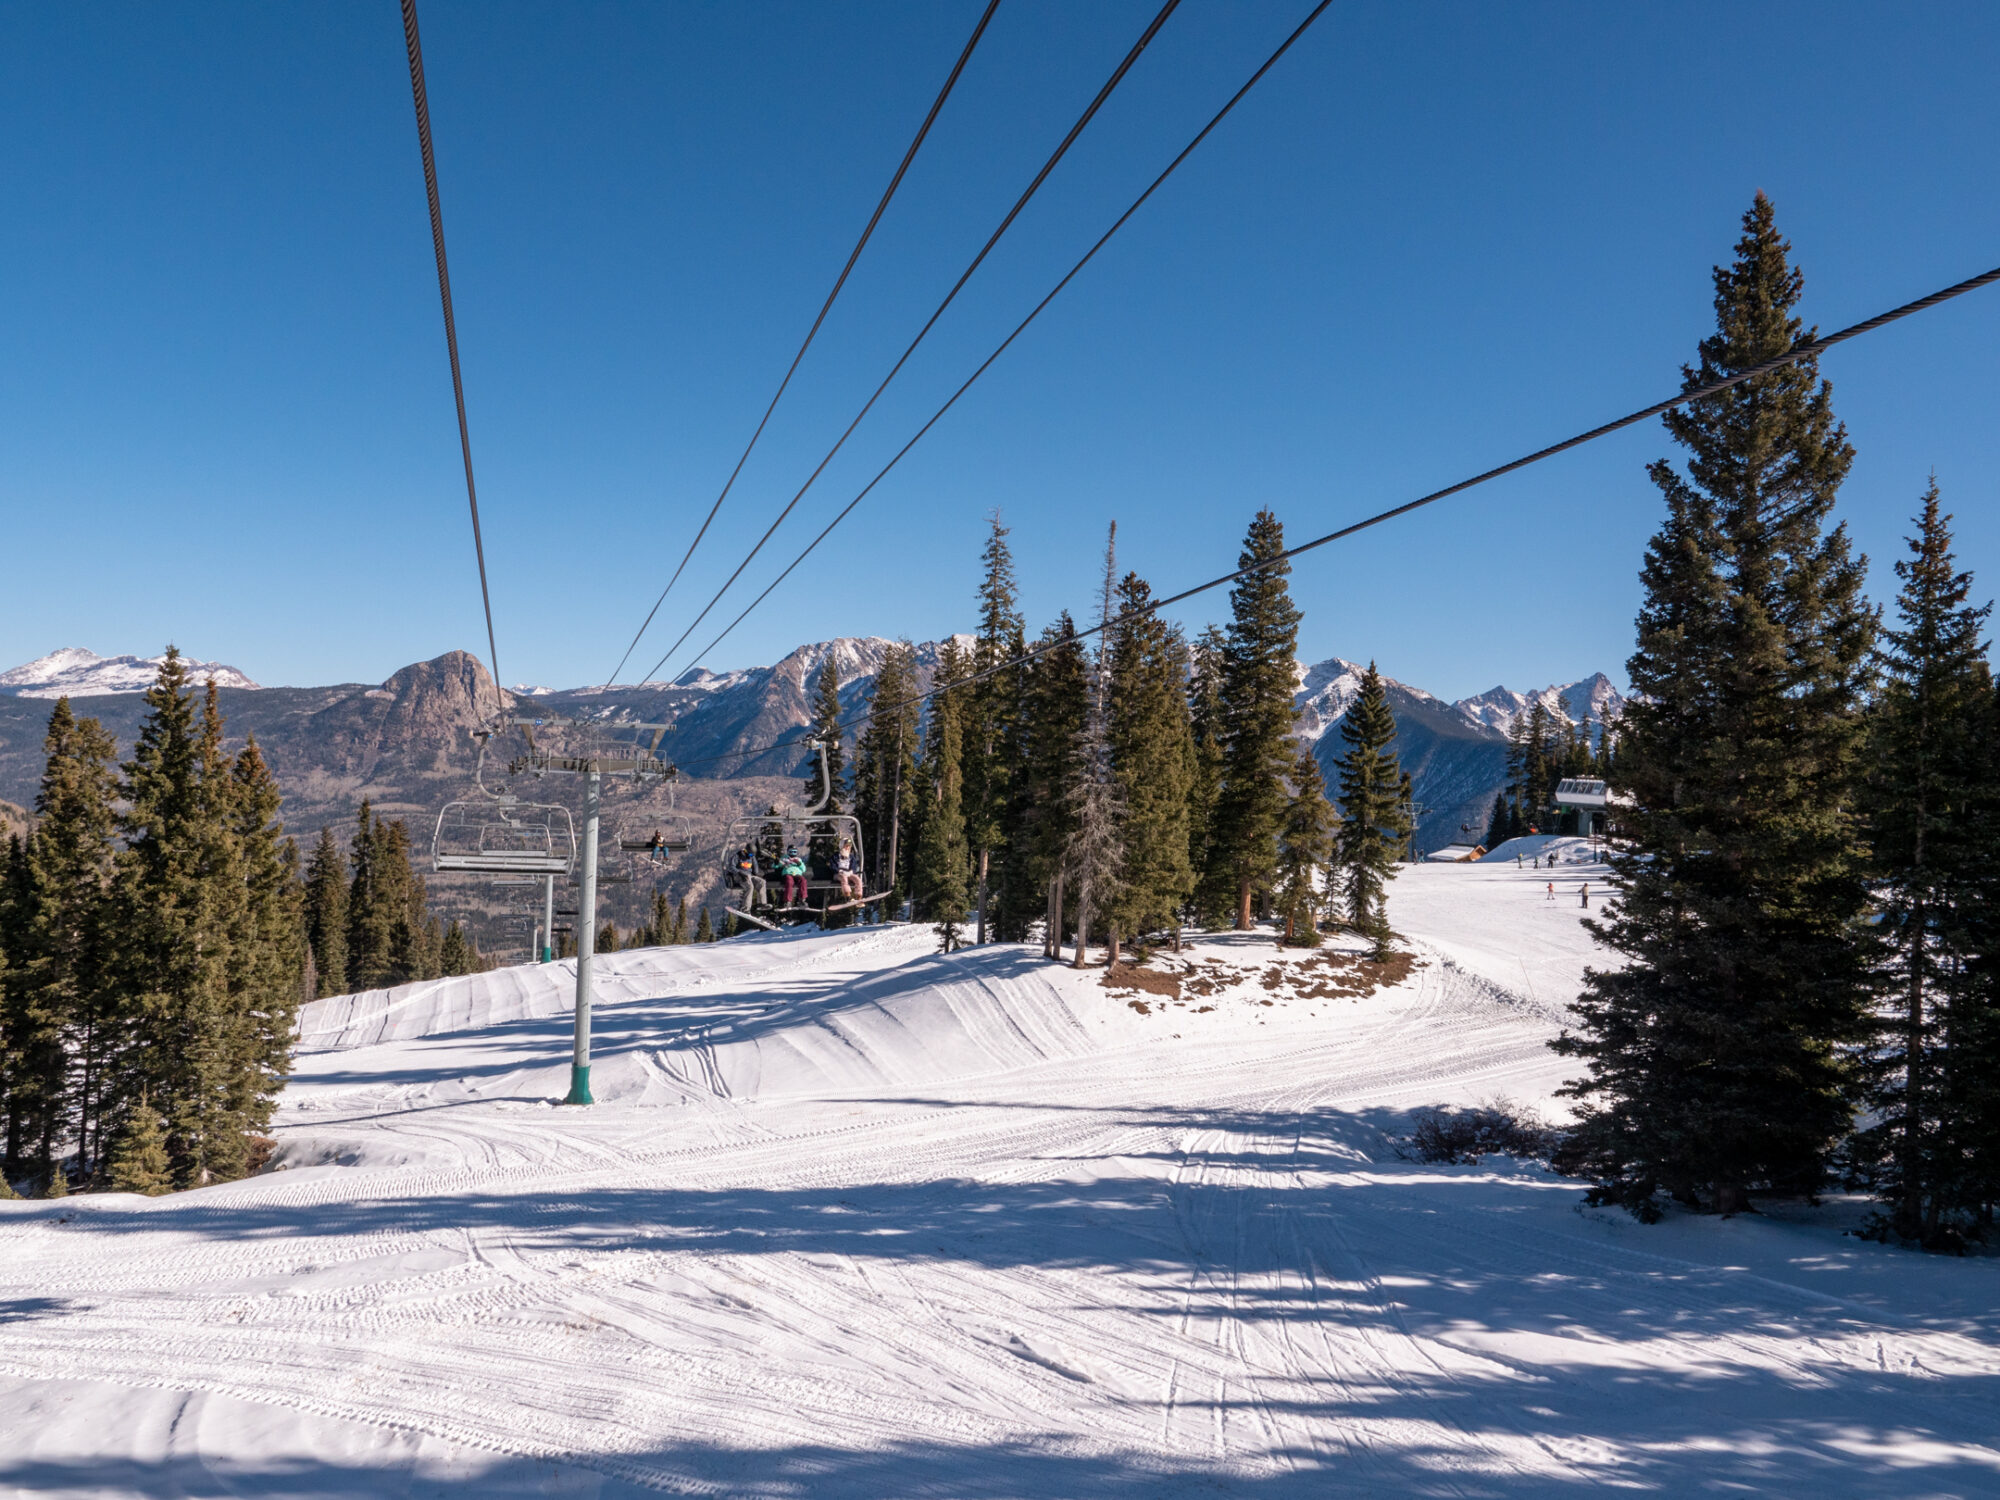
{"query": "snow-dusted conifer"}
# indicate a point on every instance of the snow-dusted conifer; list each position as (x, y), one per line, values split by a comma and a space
(1374, 817)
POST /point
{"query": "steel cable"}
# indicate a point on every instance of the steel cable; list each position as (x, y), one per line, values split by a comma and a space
(421, 96)
(1806, 349)
(1022, 202)
(840, 281)
(1019, 328)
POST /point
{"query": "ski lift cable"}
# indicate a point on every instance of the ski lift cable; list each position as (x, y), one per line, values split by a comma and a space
(1021, 327)
(421, 97)
(1020, 203)
(840, 281)
(1806, 349)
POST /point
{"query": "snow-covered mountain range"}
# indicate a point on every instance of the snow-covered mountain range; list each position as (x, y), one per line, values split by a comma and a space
(1327, 689)
(76, 673)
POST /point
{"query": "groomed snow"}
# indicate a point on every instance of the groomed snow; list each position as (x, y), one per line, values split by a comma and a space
(853, 1219)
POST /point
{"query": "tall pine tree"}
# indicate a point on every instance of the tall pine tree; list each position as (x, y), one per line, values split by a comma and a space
(1303, 849)
(824, 789)
(1374, 811)
(1926, 776)
(941, 862)
(1152, 758)
(1259, 665)
(1719, 1055)
(326, 915)
(992, 712)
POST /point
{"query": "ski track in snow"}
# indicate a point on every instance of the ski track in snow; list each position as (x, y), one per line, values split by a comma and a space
(854, 1219)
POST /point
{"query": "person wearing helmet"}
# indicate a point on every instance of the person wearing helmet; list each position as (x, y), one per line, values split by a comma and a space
(793, 868)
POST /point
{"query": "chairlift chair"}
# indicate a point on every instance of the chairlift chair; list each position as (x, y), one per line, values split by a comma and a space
(815, 834)
(503, 836)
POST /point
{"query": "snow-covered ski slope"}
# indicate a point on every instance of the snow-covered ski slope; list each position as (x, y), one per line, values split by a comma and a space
(853, 1219)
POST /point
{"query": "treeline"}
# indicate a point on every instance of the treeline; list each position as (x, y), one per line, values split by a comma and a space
(156, 939)
(666, 925)
(367, 918)
(1123, 787)
(1810, 903)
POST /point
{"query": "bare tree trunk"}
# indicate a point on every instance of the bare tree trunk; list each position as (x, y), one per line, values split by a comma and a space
(1177, 931)
(1111, 947)
(1082, 926)
(896, 817)
(984, 856)
(1243, 904)
(1056, 925)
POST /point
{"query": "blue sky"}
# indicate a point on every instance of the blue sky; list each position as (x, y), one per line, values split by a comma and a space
(1435, 237)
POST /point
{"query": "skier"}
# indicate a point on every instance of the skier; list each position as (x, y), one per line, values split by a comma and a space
(746, 876)
(1552, 890)
(1586, 894)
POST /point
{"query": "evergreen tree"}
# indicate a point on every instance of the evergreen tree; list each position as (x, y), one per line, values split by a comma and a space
(729, 924)
(607, 938)
(138, 1158)
(1921, 795)
(267, 939)
(16, 908)
(65, 1017)
(681, 921)
(326, 915)
(885, 770)
(1496, 824)
(990, 732)
(1304, 845)
(940, 876)
(1055, 701)
(826, 726)
(1719, 1054)
(1094, 853)
(659, 929)
(1213, 899)
(178, 893)
(704, 931)
(1374, 816)
(1258, 664)
(371, 907)
(455, 955)
(1152, 760)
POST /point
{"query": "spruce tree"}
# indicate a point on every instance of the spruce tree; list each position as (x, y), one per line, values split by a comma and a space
(1304, 845)
(1496, 823)
(455, 953)
(138, 1162)
(990, 731)
(178, 893)
(1152, 759)
(1094, 853)
(1055, 701)
(704, 931)
(69, 1027)
(267, 943)
(826, 726)
(885, 770)
(1720, 1054)
(1213, 898)
(1259, 676)
(1374, 817)
(941, 866)
(371, 908)
(326, 914)
(681, 921)
(1926, 775)
(16, 908)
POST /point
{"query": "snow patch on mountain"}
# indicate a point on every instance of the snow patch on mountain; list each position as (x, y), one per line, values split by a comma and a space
(74, 672)
(1591, 698)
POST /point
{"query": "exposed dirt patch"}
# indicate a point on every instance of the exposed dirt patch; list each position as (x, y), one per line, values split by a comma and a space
(1126, 977)
(1140, 1006)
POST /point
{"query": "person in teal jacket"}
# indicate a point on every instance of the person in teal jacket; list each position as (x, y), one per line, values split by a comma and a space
(793, 868)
